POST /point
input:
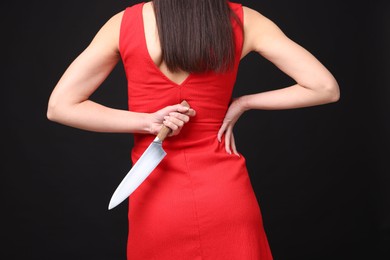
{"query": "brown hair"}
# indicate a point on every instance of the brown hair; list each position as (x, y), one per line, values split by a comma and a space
(196, 35)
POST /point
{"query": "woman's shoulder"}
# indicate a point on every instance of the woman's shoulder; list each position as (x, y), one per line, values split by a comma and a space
(114, 21)
(252, 14)
(255, 20)
(257, 27)
(117, 19)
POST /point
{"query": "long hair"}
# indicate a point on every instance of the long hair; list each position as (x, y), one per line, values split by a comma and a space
(196, 35)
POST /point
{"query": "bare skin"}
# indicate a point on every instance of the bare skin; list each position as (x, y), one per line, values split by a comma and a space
(69, 103)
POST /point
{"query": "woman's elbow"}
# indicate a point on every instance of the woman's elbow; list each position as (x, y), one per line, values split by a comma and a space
(52, 112)
(334, 89)
(331, 91)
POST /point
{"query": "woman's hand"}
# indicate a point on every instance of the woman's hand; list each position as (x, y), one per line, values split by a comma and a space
(235, 110)
(173, 117)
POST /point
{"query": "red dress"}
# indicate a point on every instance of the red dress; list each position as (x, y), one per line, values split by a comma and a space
(199, 202)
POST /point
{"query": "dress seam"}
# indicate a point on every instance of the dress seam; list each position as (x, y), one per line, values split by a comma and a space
(195, 206)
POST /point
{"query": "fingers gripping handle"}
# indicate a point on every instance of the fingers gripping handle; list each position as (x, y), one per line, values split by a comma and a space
(165, 131)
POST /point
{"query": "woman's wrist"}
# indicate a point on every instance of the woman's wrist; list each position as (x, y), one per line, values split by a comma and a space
(147, 123)
(141, 123)
(243, 103)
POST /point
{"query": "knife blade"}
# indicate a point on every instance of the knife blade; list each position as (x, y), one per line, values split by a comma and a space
(148, 161)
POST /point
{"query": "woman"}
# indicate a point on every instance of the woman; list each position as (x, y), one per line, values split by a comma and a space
(199, 202)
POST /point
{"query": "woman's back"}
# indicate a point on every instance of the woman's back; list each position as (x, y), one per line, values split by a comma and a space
(151, 85)
(199, 199)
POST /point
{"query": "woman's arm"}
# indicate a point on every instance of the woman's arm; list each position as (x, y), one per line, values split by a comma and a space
(69, 103)
(315, 85)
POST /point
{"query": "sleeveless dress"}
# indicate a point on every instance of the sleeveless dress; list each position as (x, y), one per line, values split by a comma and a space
(199, 202)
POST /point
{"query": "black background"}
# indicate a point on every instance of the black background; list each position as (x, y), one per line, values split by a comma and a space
(321, 174)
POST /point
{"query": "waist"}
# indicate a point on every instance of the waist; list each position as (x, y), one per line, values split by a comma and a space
(195, 136)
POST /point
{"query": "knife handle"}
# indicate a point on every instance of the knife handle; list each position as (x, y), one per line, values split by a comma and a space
(165, 131)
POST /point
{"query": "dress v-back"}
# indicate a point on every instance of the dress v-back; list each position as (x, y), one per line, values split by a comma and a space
(199, 202)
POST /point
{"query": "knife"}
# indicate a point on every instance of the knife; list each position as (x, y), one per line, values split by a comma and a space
(148, 161)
